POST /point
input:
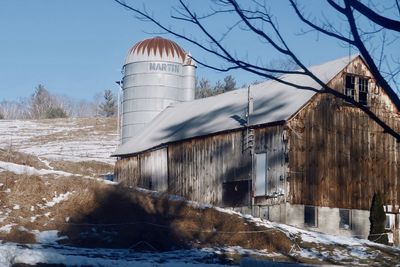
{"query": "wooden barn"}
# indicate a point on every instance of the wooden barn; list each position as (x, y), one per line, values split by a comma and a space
(302, 158)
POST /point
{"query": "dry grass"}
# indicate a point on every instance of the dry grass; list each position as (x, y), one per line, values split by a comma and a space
(121, 217)
(86, 168)
(10, 155)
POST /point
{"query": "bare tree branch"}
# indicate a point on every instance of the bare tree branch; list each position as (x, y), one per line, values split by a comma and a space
(373, 16)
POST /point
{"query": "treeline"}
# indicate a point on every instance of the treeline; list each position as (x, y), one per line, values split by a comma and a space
(205, 89)
(44, 105)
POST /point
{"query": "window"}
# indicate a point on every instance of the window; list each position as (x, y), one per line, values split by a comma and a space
(389, 221)
(310, 216)
(356, 87)
(363, 91)
(350, 86)
(345, 216)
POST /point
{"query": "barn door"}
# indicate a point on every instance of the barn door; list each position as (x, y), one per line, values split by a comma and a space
(261, 174)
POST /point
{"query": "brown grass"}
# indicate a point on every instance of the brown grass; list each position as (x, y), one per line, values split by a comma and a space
(10, 155)
(122, 217)
(88, 168)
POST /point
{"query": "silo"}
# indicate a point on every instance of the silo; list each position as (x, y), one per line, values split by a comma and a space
(157, 73)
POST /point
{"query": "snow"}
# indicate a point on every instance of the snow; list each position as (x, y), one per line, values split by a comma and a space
(22, 169)
(47, 237)
(57, 140)
(58, 199)
(16, 207)
(7, 228)
(53, 254)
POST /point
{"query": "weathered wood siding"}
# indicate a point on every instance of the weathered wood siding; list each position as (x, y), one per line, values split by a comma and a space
(338, 156)
(147, 170)
(209, 169)
(273, 141)
(199, 167)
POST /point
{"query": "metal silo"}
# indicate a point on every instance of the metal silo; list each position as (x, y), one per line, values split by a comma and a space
(157, 73)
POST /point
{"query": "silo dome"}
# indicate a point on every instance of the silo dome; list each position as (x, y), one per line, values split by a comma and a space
(157, 73)
(156, 48)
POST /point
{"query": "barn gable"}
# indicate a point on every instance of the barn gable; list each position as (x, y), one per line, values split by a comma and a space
(339, 157)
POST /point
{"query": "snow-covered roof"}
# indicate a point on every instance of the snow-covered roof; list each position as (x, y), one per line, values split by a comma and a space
(273, 102)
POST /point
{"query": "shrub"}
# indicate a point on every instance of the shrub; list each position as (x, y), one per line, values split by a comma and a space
(55, 112)
(377, 218)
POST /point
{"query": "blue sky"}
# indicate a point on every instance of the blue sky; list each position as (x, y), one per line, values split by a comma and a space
(77, 48)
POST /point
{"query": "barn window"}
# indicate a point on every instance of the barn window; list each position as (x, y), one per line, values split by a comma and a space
(356, 87)
(345, 219)
(350, 86)
(310, 216)
(389, 221)
(261, 174)
(363, 91)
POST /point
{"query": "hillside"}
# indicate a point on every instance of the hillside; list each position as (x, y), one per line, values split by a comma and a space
(56, 210)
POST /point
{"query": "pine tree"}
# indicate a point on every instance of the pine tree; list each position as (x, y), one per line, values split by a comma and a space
(377, 218)
(108, 107)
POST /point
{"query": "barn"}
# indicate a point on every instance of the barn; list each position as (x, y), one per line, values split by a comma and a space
(300, 157)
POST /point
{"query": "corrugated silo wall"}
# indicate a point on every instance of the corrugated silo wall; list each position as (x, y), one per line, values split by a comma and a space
(148, 88)
(212, 169)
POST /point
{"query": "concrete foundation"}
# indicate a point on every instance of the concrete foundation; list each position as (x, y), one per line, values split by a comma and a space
(327, 219)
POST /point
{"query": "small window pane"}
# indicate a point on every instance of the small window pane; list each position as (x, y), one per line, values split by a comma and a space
(344, 219)
(350, 86)
(363, 91)
(310, 216)
(389, 221)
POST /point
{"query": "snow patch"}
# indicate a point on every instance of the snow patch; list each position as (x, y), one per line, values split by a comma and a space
(22, 169)
(58, 199)
(47, 237)
(7, 228)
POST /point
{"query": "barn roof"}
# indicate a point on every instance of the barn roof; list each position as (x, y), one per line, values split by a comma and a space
(273, 102)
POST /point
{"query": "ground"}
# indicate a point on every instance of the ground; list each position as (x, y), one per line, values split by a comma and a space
(57, 208)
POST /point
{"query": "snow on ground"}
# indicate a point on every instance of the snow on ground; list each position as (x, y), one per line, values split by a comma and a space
(53, 254)
(58, 199)
(62, 139)
(23, 169)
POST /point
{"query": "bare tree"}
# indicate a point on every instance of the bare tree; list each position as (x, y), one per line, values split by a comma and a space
(230, 83)
(203, 88)
(15, 109)
(254, 17)
(41, 101)
(43, 105)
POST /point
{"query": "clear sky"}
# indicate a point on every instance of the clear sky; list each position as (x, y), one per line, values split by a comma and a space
(77, 47)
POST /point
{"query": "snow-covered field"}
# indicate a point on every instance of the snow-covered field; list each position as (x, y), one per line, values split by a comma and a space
(63, 139)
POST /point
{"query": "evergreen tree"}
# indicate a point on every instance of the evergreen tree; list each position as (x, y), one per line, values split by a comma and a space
(41, 101)
(377, 218)
(108, 107)
(55, 112)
